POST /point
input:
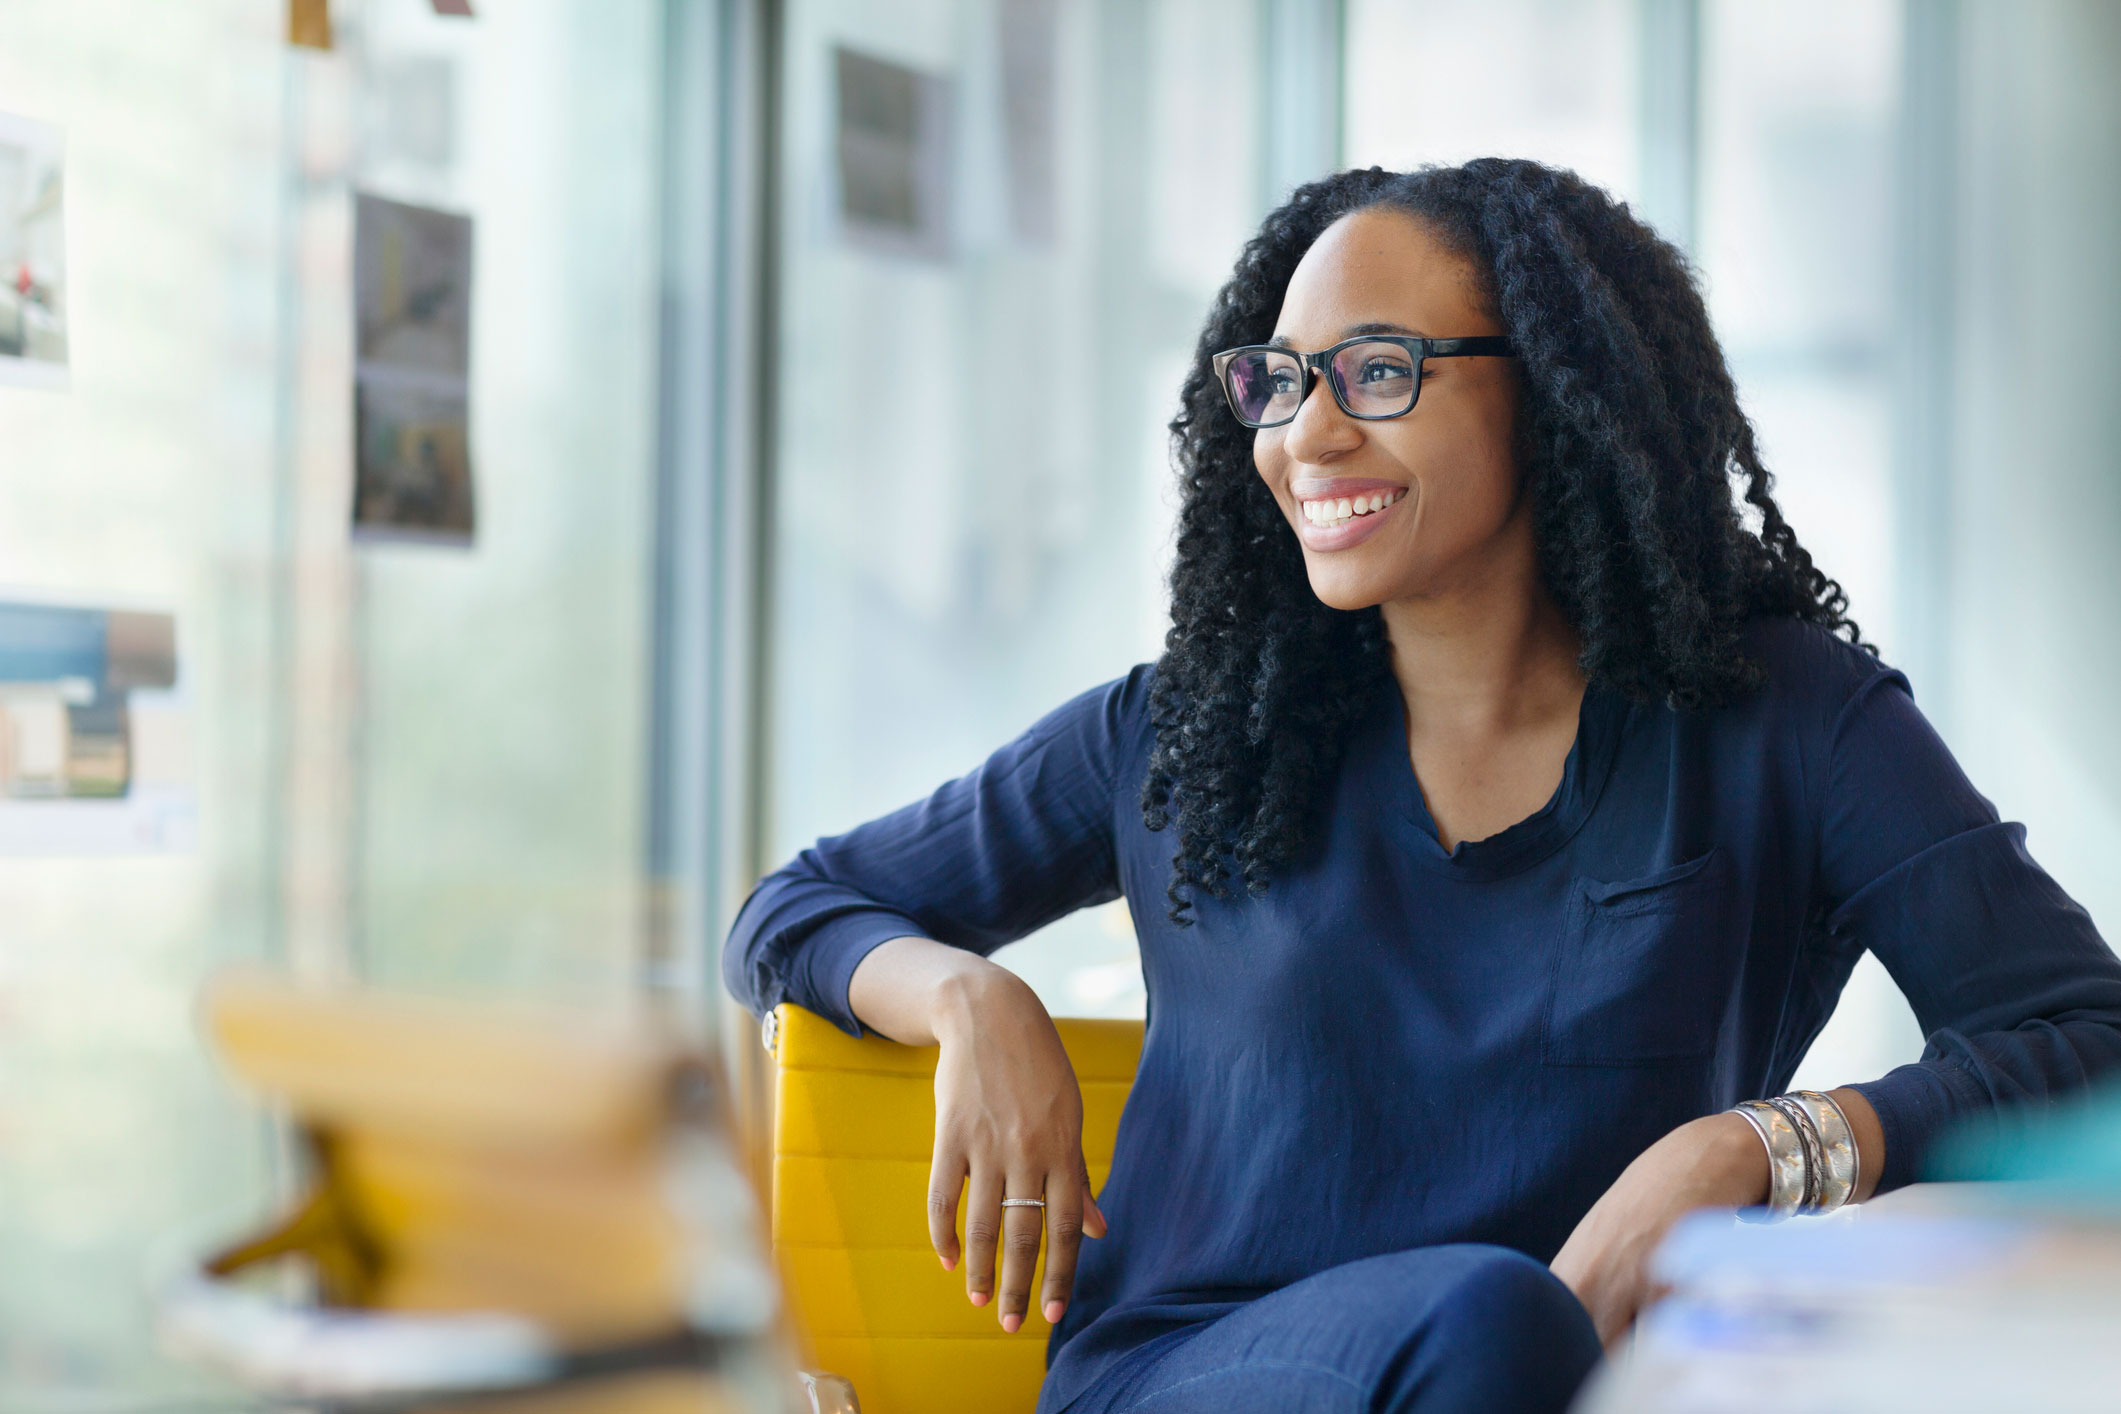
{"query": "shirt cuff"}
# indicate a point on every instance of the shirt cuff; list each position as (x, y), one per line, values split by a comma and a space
(825, 962)
(1915, 1104)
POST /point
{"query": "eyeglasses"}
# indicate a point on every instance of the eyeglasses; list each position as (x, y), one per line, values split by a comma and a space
(1375, 377)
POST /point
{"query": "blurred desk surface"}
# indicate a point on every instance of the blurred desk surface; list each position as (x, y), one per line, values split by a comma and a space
(1940, 1297)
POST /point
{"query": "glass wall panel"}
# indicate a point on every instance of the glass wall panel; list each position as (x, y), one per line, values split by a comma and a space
(500, 707)
(2035, 492)
(1555, 80)
(150, 483)
(414, 762)
(1798, 105)
(1002, 223)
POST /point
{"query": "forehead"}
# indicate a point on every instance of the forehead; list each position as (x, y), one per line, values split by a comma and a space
(1375, 267)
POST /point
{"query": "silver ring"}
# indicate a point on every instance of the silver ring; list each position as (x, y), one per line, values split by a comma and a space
(1023, 1202)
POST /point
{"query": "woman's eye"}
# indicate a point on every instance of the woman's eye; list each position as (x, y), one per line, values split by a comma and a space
(1282, 382)
(1381, 370)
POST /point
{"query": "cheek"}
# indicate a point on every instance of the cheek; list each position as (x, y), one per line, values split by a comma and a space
(1468, 480)
(1267, 456)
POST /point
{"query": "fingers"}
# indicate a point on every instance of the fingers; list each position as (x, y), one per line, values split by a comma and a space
(1093, 1216)
(946, 1182)
(983, 1230)
(1021, 1231)
(1065, 1197)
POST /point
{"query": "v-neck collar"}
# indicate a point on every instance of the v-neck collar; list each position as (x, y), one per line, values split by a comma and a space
(1600, 719)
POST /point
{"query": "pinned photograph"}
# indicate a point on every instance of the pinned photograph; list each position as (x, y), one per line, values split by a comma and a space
(94, 744)
(412, 373)
(33, 331)
(894, 137)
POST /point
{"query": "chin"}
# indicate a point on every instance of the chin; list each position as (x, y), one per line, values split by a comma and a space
(1348, 592)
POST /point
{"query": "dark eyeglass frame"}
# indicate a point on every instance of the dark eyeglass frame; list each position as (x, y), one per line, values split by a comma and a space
(1321, 363)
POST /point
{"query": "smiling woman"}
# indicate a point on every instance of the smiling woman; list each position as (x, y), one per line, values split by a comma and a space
(1531, 806)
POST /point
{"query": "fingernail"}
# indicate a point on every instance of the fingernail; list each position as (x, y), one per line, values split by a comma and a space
(1053, 1312)
(949, 1264)
(1011, 1322)
(979, 1298)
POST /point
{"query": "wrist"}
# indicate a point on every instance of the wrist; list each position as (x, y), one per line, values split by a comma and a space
(1735, 1162)
(968, 993)
(1726, 1166)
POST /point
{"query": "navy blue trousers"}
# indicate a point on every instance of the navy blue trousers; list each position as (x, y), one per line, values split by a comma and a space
(1460, 1327)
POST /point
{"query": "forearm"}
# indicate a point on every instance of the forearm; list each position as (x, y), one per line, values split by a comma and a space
(917, 991)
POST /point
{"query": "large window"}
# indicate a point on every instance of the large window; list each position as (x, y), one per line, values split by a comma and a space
(1001, 226)
(1798, 110)
(1555, 80)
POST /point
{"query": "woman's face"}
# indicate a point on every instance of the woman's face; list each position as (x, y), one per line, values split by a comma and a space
(1448, 467)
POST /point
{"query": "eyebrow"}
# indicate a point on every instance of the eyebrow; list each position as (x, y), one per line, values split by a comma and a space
(1353, 331)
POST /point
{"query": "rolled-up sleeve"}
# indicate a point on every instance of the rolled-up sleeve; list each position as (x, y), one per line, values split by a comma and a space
(2017, 993)
(990, 857)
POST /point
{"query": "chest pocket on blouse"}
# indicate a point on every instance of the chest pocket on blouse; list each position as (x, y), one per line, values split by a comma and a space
(1646, 967)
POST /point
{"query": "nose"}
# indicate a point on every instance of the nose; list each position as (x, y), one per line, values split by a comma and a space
(1321, 430)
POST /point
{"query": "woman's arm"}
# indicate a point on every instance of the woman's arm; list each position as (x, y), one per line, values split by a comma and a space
(985, 860)
(1713, 1162)
(888, 926)
(2019, 996)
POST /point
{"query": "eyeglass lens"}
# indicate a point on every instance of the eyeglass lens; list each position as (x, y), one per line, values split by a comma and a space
(1266, 386)
(1375, 380)
(1369, 379)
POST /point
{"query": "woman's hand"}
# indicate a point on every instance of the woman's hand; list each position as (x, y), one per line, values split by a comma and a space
(1713, 1162)
(1008, 1119)
(1008, 1124)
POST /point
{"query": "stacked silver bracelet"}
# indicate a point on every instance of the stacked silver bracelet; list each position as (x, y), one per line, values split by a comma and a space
(1811, 1152)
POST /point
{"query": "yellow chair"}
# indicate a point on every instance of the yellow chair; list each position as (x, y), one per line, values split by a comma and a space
(852, 1125)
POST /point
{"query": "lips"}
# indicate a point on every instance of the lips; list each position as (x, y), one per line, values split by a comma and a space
(1339, 513)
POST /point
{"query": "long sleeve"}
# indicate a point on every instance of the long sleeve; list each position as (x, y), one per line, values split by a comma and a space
(985, 860)
(2017, 993)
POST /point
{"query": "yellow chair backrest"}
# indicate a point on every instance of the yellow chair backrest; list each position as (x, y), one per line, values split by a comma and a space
(852, 1125)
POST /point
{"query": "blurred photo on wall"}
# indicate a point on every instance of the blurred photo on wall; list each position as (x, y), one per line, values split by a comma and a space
(33, 327)
(95, 754)
(412, 369)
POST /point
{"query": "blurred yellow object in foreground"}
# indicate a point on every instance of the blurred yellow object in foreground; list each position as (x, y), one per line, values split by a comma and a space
(571, 1184)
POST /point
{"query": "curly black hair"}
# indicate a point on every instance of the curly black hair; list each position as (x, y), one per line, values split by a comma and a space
(1630, 438)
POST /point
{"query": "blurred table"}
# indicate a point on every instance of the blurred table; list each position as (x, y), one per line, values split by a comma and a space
(1940, 1297)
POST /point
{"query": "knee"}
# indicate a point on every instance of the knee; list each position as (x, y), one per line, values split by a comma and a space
(1494, 1290)
(1503, 1332)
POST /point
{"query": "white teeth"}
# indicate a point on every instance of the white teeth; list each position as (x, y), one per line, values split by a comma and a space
(1339, 511)
(1331, 513)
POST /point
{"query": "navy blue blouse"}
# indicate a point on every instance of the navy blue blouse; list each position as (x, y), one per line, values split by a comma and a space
(1401, 1044)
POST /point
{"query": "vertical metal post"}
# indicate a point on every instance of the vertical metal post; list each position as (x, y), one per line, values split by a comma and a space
(1671, 118)
(681, 765)
(1924, 331)
(1303, 52)
(704, 842)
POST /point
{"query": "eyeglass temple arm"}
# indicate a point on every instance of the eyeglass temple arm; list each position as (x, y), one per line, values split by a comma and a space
(1474, 345)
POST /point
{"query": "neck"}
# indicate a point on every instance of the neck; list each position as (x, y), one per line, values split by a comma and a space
(1488, 653)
